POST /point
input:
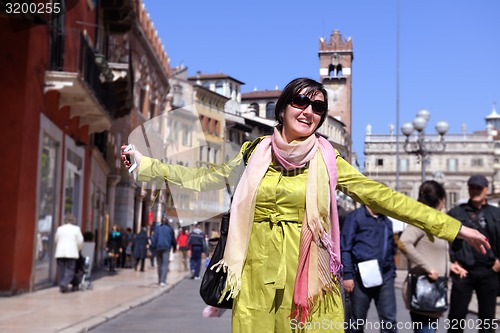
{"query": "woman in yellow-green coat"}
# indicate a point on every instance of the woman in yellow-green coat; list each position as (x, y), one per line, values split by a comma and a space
(282, 253)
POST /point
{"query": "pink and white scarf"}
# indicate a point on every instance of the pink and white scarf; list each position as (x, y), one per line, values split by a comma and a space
(319, 251)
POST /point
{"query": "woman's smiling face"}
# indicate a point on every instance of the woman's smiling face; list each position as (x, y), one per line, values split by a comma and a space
(301, 123)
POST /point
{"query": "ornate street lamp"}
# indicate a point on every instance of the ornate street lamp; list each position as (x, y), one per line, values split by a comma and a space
(420, 146)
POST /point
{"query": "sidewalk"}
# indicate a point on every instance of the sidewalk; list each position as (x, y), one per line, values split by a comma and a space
(48, 310)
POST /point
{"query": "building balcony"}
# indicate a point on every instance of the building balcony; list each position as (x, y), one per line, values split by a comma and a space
(86, 89)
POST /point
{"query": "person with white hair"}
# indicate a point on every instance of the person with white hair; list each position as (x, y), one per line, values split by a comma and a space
(69, 243)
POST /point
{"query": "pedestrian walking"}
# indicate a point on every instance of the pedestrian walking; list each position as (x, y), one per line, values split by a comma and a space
(182, 244)
(114, 247)
(162, 243)
(282, 254)
(69, 243)
(140, 244)
(197, 246)
(126, 257)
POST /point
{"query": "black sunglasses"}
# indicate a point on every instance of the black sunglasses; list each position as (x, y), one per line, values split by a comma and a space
(302, 102)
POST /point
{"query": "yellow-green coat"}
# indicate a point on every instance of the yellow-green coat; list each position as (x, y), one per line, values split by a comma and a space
(265, 299)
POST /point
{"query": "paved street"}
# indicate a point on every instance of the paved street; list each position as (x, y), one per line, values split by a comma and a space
(180, 311)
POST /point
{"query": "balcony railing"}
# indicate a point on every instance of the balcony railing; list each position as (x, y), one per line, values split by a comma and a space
(82, 61)
(93, 76)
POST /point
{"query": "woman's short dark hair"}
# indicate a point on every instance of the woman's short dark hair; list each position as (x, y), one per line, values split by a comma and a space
(431, 193)
(293, 88)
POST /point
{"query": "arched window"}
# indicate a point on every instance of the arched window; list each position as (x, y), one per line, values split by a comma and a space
(270, 110)
(331, 70)
(254, 107)
(339, 70)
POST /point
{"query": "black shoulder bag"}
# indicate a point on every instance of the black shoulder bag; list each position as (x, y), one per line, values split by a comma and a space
(214, 280)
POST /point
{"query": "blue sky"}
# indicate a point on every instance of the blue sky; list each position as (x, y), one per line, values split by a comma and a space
(449, 52)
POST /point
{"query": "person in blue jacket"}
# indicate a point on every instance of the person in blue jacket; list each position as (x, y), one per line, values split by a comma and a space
(162, 242)
(197, 245)
(367, 235)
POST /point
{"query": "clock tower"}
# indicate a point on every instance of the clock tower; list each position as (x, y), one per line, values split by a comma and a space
(335, 61)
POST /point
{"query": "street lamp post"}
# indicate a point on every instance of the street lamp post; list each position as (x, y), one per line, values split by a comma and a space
(420, 146)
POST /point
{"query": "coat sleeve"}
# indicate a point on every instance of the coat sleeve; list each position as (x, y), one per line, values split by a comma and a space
(386, 201)
(198, 179)
(410, 238)
(154, 240)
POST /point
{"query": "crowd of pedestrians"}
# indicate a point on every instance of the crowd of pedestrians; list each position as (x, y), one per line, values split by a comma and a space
(158, 242)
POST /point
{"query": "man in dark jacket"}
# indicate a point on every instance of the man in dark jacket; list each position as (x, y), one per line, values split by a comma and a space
(197, 245)
(163, 241)
(482, 269)
(365, 236)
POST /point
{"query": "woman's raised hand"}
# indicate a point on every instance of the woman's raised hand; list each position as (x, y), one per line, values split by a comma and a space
(476, 239)
(134, 153)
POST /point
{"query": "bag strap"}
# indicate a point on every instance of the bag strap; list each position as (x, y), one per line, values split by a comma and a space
(246, 157)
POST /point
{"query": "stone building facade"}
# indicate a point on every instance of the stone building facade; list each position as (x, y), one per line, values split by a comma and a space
(464, 154)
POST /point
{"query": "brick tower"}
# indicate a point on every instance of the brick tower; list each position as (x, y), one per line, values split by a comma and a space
(335, 61)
